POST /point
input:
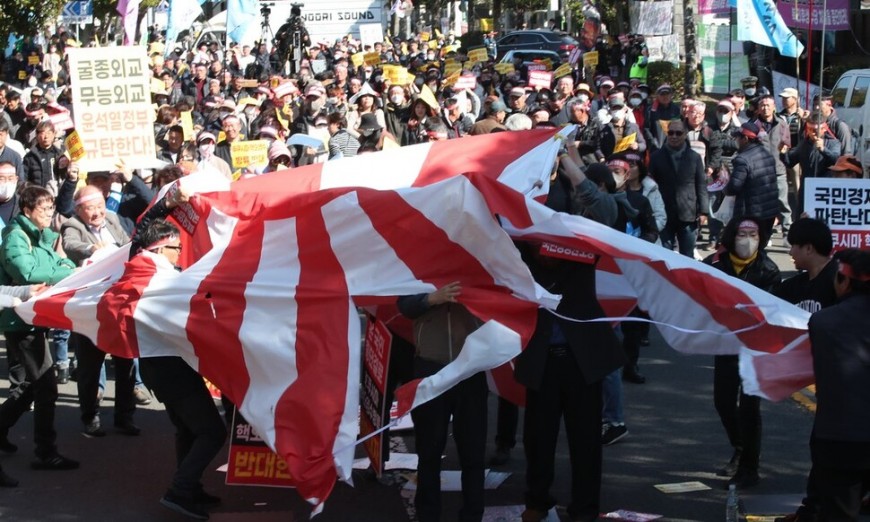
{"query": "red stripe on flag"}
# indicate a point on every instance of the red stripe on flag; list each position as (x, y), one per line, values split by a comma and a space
(217, 312)
(394, 219)
(405, 396)
(49, 312)
(117, 332)
(308, 414)
(488, 154)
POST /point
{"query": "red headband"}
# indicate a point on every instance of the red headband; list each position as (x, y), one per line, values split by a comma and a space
(846, 270)
(619, 163)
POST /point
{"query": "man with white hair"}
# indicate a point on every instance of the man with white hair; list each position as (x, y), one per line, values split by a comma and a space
(517, 122)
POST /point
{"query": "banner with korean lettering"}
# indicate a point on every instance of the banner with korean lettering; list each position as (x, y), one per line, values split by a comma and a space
(796, 14)
(373, 404)
(251, 462)
(844, 204)
(112, 106)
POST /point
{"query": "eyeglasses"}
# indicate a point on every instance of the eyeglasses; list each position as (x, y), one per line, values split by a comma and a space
(45, 208)
(177, 248)
(675, 133)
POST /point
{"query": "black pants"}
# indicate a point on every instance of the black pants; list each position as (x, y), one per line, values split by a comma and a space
(39, 388)
(632, 333)
(467, 403)
(564, 394)
(90, 361)
(506, 424)
(740, 413)
(200, 432)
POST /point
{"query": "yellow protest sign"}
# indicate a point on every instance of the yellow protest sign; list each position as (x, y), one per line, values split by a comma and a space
(504, 68)
(438, 33)
(250, 84)
(452, 78)
(428, 97)
(187, 124)
(397, 75)
(356, 59)
(452, 68)
(433, 44)
(372, 58)
(275, 81)
(22, 75)
(157, 86)
(590, 59)
(247, 153)
(33, 60)
(478, 54)
(563, 70)
(486, 24)
(424, 36)
(75, 146)
(548, 62)
(625, 142)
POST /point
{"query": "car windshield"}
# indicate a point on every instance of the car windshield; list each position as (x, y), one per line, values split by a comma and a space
(569, 40)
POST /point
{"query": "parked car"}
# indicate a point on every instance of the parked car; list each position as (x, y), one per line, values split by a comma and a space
(864, 143)
(539, 39)
(530, 56)
(849, 96)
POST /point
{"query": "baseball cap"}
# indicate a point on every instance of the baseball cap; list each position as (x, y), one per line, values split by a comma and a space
(205, 135)
(750, 129)
(664, 88)
(497, 106)
(789, 92)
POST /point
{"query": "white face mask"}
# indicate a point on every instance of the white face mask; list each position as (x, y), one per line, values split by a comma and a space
(397, 99)
(7, 190)
(724, 118)
(634, 102)
(644, 95)
(250, 111)
(206, 150)
(745, 247)
(750, 91)
(617, 114)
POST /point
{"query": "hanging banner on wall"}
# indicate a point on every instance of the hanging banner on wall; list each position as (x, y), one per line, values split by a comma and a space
(651, 18)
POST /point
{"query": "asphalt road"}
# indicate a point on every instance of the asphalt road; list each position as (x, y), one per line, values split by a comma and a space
(674, 436)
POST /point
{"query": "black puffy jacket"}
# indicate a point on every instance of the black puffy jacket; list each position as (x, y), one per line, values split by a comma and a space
(753, 181)
(40, 165)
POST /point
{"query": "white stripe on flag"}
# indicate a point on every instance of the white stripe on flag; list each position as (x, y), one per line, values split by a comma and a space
(385, 170)
(530, 173)
(270, 360)
(342, 448)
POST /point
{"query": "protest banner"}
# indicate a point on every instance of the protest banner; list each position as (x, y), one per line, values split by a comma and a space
(373, 404)
(187, 124)
(112, 106)
(486, 24)
(247, 153)
(372, 58)
(564, 70)
(452, 68)
(370, 34)
(465, 81)
(357, 59)
(249, 84)
(73, 143)
(504, 68)
(33, 60)
(590, 59)
(424, 36)
(251, 462)
(844, 204)
(651, 18)
(478, 54)
(625, 142)
(542, 79)
(796, 14)
(713, 7)
(714, 70)
(782, 81)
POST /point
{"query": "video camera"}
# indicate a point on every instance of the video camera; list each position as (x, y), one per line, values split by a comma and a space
(266, 9)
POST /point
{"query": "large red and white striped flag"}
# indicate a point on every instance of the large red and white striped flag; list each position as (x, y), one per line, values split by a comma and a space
(268, 311)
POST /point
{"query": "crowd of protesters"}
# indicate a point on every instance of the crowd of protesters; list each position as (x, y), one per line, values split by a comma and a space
(638, 161)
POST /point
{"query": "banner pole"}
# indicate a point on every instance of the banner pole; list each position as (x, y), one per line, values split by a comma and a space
(809, 55)
(797, 60)
(730, 42)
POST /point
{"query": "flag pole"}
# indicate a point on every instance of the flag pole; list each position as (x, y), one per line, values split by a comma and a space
(730, 41)
(809, 55)
(797, 60)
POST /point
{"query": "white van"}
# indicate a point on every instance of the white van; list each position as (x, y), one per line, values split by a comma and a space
(849, 97)
(864, 143)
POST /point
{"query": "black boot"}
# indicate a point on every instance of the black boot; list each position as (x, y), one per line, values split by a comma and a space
(632, 374)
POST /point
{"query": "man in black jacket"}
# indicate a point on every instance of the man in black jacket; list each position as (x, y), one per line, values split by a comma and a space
(45, 161)
(679, 172)
(753, 178)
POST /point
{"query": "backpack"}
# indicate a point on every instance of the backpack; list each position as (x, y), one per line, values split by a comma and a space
(853, 143)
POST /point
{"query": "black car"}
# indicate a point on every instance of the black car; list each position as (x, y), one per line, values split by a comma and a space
(559, 42)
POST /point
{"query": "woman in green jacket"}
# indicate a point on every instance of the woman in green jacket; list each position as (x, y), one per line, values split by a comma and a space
(29, 256)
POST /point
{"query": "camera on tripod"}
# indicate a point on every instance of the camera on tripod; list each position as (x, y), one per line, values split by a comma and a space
(266, 8)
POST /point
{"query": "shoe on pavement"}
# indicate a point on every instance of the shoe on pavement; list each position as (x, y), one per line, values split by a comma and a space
(501, 457)
(731, 468)
(94, 429)
(62, 375)
(6, 481)
(613, 433)
(744, 479)
(128, 428)
(184, 506)
(54, 462)
(142, 397)
(205, 499)
(533, 515)
(632, 374)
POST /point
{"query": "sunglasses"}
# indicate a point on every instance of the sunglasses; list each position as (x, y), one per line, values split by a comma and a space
(675, 133)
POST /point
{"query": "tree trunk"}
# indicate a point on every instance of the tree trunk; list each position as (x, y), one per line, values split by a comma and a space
(496, 15)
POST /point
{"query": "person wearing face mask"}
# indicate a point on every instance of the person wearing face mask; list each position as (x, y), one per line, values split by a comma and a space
(362, 103)
(720, 151)
(250, 109)
(619, 128)
(336, 100)
(8, 193)
(207, 159)
(279, 157)
(750, 86)
(637, 107)
(742, 256)
(397, 110)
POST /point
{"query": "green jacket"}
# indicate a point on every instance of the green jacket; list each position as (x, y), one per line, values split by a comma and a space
(27, 257)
